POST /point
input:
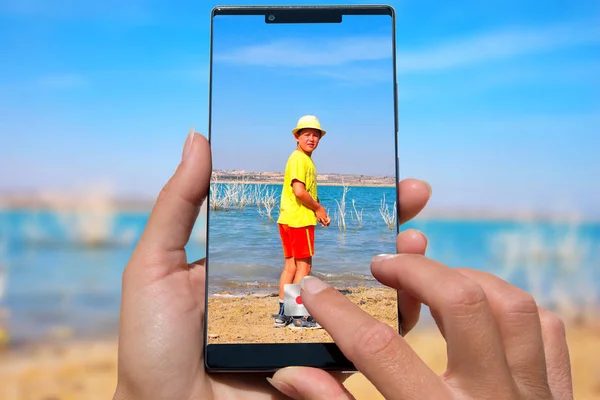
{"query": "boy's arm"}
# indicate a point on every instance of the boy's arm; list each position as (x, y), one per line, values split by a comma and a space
(305, 197)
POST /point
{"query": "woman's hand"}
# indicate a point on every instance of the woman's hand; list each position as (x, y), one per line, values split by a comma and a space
(163, 305)
(500, 344)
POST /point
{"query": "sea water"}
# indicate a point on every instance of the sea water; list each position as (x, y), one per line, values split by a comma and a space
(61, 269)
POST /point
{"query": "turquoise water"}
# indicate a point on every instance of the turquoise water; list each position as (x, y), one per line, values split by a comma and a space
(55, 275)
(245, 246)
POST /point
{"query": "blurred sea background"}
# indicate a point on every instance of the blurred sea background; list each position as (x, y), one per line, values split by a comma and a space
(62, 266)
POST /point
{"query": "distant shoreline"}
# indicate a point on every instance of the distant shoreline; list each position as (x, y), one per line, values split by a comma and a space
(330, 184)
(323, 179)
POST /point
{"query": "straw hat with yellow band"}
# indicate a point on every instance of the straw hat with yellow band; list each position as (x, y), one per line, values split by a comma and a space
(309, 121)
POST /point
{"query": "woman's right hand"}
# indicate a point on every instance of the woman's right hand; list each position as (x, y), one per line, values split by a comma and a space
(500, 343)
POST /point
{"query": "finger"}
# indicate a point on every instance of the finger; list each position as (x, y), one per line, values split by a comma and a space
(301, 383)
(558, 363)
(414, 195)
(411, 241)
(409, 309)
(171, 221)
(253, 386)
(375, 348)
(197, 282)
(519, 322)
(198, 263)
(475, 350)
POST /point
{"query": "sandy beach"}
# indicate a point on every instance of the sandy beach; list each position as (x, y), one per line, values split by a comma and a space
(88, 370)
(75, 369)
(230, 323)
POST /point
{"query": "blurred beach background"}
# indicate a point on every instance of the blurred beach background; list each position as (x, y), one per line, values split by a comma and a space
(499, 110)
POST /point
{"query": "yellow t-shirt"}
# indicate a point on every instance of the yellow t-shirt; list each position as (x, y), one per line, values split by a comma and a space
(292, 211)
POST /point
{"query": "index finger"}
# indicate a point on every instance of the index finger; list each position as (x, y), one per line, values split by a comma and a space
(375, 348)
(476, 353)
(414, 195)
(172, 219)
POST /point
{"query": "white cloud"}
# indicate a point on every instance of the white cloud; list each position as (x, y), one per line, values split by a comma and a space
(493, 46)
(358, 75)
(303, 53)
(349, 60)
(457, 53)
(62, 81)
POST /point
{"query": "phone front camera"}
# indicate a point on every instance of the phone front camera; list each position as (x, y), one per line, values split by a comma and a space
(271, 17)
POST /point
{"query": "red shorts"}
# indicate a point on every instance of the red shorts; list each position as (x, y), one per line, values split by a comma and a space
(297, 242)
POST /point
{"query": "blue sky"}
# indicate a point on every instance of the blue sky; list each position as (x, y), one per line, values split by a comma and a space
(271, 74)
(499, 101)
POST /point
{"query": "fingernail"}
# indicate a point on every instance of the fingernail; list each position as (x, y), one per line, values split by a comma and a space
(415, 233)
(188, 142)
(284, 388)
(428, 187)
(312, 285)
(382, 257)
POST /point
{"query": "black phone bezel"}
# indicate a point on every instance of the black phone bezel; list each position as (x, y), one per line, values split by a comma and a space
(269, 357)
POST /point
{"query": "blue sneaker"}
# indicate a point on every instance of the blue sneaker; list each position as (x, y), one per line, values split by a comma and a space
(304, 323)
(281, 320)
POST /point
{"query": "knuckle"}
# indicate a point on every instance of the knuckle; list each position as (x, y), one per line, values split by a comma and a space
(463, 296)
(374, 338)
(552, 324)
(519, 304)
(164, 193)
(410, 257)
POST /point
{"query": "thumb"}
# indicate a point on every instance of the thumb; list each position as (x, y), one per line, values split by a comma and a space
(172, 219)
(304, 383)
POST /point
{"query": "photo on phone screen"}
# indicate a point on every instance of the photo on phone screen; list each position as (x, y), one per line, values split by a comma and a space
(303, 138)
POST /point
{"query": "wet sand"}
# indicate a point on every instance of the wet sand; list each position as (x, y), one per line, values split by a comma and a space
(248, 319)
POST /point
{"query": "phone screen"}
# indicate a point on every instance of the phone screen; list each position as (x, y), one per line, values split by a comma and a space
(303, 134)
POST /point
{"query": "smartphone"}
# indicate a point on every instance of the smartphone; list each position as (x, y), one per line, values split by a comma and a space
(303, 131)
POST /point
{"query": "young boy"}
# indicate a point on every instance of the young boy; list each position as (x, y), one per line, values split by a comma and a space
(299, 213)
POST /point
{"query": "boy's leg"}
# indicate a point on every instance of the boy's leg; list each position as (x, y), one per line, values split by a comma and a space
(303, 268)
(303, 245)
(304, 249)
(287, 275)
